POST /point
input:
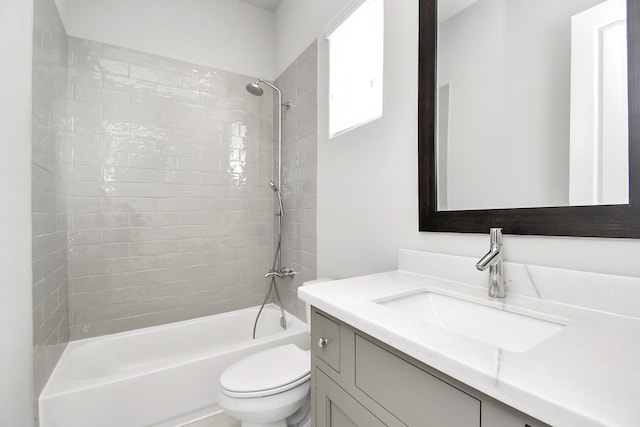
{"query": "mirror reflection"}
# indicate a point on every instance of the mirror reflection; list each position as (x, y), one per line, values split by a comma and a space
(531, 104)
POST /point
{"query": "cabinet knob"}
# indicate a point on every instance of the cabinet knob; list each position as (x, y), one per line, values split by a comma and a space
(322, 342)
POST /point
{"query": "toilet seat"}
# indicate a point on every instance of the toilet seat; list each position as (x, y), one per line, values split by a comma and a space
(266, 373)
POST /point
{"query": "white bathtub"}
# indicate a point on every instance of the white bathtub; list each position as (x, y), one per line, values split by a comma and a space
(160, 376)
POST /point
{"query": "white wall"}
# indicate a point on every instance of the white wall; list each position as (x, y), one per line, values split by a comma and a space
(16, 361)
(367, 178)
(298, 23)
(224, 34)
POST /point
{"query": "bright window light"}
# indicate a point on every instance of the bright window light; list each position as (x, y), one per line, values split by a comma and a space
(355, 68)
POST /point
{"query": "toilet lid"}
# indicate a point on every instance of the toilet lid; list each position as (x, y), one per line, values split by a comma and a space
(267, 372)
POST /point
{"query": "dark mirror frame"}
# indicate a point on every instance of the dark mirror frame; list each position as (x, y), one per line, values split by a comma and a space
(586, 221)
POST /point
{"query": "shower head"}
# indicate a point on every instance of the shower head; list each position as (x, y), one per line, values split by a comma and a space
(273, 186)
(255, 89)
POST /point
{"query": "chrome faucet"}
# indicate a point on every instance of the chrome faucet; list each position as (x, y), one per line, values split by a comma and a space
(493, 260)
(283, 272)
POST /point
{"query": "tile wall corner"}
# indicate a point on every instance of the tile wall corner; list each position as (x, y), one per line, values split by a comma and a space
(299, 85)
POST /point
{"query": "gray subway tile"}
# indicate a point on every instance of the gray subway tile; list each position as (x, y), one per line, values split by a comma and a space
(184, 210)
(153, 75)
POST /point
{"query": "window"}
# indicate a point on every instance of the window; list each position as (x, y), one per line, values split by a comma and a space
(355, 68)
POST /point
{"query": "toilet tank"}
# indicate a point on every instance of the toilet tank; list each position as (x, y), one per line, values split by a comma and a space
(306, 305)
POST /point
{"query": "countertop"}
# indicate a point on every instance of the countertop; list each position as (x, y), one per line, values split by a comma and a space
(586, 375)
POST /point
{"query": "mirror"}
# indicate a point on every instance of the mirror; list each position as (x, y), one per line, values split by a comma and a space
(531, 103)
(524, 117)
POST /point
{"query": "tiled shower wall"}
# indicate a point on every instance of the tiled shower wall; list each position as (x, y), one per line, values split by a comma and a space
(299, 169)
(171, 215)
(49, 198)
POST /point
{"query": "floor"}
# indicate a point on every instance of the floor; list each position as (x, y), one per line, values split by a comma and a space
(218, 420)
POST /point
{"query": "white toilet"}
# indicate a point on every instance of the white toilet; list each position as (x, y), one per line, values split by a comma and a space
(270, 388)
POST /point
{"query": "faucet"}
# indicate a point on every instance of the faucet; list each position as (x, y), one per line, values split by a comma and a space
(493, 260)
(283, 272)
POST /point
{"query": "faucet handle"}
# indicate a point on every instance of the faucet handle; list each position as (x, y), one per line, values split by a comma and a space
(496, 236)
(288, 272)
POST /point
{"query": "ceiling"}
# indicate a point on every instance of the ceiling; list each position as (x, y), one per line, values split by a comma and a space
(270, 5)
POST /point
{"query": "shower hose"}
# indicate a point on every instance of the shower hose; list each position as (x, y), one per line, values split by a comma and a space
(273, 287)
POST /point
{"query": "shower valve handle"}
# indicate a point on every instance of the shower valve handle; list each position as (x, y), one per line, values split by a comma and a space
(288, 272)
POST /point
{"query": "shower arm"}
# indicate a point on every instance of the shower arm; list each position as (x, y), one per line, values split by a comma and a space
(279, 92)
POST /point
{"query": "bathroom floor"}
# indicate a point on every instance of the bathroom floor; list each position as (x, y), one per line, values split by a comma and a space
(218, 420)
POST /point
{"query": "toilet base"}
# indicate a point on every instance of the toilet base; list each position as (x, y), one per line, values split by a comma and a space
(301, 418)
(268, 411)
(274, 424)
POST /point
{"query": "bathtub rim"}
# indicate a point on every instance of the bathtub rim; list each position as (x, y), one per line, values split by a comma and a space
(60, 385)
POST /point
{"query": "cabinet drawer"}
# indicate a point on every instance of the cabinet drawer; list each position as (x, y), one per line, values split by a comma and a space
(414, 396)
(325, 340)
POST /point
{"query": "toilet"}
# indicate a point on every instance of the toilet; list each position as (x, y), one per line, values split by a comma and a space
(270, 388)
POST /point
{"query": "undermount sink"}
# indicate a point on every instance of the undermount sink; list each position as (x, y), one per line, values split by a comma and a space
(509, 330)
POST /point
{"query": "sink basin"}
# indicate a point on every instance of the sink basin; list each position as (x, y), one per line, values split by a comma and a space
(509, 330)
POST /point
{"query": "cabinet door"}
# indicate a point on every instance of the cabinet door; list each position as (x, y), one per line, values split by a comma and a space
(336, 408)
(496, 414)
(411, 394)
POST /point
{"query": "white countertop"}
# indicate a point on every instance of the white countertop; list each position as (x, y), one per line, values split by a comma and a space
(586, 375)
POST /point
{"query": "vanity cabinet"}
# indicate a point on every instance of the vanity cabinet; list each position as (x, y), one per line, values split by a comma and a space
(336, 408)
(362, 382)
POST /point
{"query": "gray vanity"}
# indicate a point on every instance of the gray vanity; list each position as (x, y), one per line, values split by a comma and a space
(360, 381)
(425, 345)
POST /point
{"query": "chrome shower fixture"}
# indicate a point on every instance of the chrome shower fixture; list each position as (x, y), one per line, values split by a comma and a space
(276, 269)
(255, 89)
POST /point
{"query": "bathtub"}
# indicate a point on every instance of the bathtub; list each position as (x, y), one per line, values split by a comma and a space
(162, 376)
